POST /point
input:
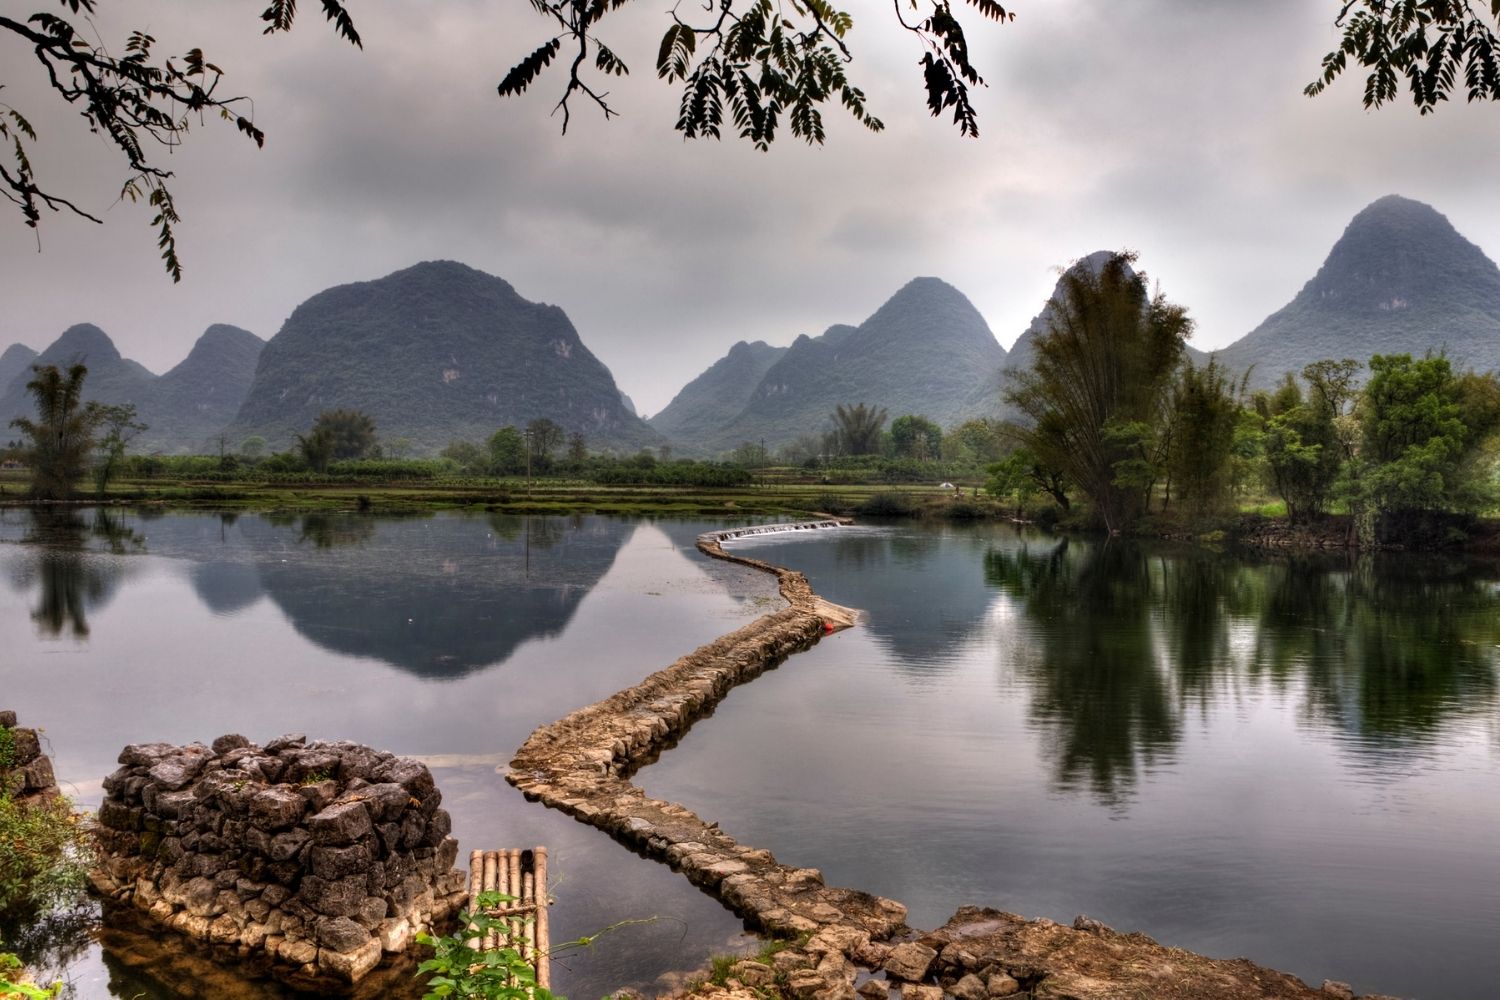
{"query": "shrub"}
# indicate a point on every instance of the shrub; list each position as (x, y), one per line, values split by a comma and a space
(45, 854)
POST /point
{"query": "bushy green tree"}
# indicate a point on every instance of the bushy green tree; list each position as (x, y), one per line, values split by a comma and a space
(1425, 430)
(1301, 448)
(507, 452)
(914, 436)
(1091, 403)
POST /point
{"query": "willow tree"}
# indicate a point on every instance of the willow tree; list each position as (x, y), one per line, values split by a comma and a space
(1092, 403)
(62, 435)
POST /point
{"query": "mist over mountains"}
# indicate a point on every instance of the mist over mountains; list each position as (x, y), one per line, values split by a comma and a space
(440, 351)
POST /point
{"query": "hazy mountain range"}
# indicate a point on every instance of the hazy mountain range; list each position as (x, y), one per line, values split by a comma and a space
(183, 409)
(440, 351)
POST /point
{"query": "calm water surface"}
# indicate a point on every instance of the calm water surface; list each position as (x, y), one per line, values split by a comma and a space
(1292, 759)
(450, 637)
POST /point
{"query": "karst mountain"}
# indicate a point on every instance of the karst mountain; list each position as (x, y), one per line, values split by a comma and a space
(926, 351)
(1400, 280)
(436, 352)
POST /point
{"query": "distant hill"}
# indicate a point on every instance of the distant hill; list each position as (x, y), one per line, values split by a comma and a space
(1400, 280)
(16, 360)
(111, 378)
(194, 401)
(182, 409)
(711, 401)
(926, 351)
(435, 352)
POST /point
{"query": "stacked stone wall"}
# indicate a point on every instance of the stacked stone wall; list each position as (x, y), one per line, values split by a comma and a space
(25, 772)
(314, 858)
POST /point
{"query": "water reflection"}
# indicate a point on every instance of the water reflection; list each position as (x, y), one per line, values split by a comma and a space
(437, 596)
(1120, 638)
(64, 566)
(1091, 659)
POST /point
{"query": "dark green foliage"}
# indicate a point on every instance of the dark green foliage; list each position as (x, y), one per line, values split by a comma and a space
(859, 428)
(1399, 280)
(350, 433)
(1301, 448)
(1091, 403)
(62, 435)
(458, 970)
(432, 353)
(916, 437)
(1437, 46)
(1204, 419)
(639, 471)
(1424, 429)
(752, 65)
(507, 450)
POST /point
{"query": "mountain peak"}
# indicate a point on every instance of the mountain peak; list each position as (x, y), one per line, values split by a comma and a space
(1400, 279)
(82, 342)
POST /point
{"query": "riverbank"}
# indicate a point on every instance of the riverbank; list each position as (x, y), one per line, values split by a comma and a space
(848, 942)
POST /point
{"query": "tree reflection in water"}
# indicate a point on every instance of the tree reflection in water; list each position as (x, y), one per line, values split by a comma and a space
(68, 572)
(1122, 639)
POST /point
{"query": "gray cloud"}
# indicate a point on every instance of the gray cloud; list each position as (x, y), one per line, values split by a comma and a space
(1178, 129)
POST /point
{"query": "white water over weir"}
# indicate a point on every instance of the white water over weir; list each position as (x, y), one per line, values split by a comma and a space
(731, 534)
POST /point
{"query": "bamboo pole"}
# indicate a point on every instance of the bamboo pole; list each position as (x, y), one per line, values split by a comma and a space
(476, 881)
(491, 881)
(528, 926)
(543, 943)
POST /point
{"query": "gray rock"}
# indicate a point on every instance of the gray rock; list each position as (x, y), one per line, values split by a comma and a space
(1334, 988)
(287, 844)
(910, 961)
(7, 719)
(386, 801)
(340, 823)
(341, 933)
(333, 898)
(339, 862)
(290, 741)
(177, 771)
(228, 742)
(276, 808)
(874, 989)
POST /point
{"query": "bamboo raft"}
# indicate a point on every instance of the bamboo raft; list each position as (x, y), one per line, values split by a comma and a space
(521, 875)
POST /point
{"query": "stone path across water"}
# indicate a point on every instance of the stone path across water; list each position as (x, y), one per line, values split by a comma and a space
(582, 765)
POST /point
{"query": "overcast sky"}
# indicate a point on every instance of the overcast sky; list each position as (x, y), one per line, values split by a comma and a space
(1176, 128)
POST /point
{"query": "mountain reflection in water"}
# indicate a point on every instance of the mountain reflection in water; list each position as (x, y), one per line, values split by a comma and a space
(439, 603)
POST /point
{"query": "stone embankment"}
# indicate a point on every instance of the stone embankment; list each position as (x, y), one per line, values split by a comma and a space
(309, 861)
(581, 765)
(25, 772)
(854, 945)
